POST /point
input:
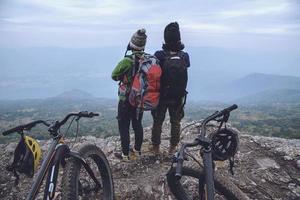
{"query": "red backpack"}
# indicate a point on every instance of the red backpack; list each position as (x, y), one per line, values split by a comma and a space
(144, 93)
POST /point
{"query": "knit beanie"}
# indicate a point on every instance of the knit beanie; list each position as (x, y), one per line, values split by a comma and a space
(172, 37)
(138, 40)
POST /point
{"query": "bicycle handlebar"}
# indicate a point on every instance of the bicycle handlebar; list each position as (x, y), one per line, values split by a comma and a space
(202, 140)
(58, 124)
(220, 113)
(28, 126)
(53, 128)
(224, 112)
(227, 110)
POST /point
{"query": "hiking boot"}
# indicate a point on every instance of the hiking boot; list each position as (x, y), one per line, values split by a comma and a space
(134, 154)
(154, 148)
(125, 158)
(121, 156)
(172, 149)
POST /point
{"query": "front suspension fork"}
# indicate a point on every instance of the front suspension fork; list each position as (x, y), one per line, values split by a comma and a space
(209, 173)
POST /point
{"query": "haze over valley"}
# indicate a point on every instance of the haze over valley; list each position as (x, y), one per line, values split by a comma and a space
(215, 74)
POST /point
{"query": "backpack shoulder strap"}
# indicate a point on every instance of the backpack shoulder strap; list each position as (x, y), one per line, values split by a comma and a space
(129, 56)
(135, 66)
(167, 54)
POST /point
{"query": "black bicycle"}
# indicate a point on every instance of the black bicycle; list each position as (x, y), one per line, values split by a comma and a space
(184, 181)
(87, 173)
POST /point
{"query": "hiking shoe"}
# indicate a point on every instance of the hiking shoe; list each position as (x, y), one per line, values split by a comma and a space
(135, 152)
(121, 156)
(154, 148)
(172, 149)
(125, 158)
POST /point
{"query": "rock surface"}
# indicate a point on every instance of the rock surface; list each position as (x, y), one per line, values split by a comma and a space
(265, 168)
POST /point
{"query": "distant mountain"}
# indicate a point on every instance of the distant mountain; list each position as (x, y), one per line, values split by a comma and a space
(45, 72)
(257, 82)
(74, 94)
(256, 86)
(272, 96)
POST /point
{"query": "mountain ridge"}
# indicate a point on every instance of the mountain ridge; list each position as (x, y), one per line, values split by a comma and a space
(74, 94)
(252, 84)
(44, 72)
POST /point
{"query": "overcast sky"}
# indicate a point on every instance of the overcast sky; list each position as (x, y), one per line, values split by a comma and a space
(96, 23)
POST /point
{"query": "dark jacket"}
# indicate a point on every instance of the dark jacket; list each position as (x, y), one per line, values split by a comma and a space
(161, 55)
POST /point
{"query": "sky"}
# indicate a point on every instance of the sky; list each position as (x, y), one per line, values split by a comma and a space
(74, 40)
(267, 24)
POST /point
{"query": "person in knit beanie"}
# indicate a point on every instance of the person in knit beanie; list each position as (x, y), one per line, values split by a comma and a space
(138, 40)
(124, 73)
(174, 63)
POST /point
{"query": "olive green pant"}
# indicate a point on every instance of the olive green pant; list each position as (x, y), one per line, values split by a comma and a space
(176, 113)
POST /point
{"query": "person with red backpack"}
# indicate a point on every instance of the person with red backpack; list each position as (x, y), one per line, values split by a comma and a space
(124, 72)
(174, 63)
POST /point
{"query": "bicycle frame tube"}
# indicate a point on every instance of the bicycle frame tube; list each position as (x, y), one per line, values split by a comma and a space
(207, 161)
(61, 151)
(44, 168)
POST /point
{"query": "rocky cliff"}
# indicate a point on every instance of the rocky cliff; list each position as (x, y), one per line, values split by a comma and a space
(265, 168)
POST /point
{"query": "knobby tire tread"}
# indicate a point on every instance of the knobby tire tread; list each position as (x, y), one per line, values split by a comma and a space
(72, 170)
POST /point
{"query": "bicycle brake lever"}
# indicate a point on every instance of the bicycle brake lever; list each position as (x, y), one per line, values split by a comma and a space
(226, 117)
(52, 127)
(218, 120)
(185, 157)
(174, 157)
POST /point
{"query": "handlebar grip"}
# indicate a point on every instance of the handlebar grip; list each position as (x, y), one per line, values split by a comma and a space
(231, 108)
(226, 110)
(93, 114)
(25, 127)
(9, 131)
(179, 165)
(87, 114)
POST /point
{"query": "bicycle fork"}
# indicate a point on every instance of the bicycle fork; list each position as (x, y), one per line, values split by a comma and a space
(209, 174)
(61, 151)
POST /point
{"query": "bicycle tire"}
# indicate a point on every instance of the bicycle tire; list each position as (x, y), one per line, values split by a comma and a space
(225, 188)
(72, 172)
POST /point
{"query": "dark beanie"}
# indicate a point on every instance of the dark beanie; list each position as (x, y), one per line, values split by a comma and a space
(172, 37)
(138, 40)
(172, 33)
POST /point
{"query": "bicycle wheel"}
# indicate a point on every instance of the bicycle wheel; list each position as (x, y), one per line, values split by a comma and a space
(187, 188)
(78, 183)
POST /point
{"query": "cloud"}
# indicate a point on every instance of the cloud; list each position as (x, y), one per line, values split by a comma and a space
(255, 10)
(209, 27)
(118, 19)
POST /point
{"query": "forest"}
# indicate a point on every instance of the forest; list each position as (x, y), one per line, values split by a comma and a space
(276, 120)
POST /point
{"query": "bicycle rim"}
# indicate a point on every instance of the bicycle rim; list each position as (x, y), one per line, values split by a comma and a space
(80, 185)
